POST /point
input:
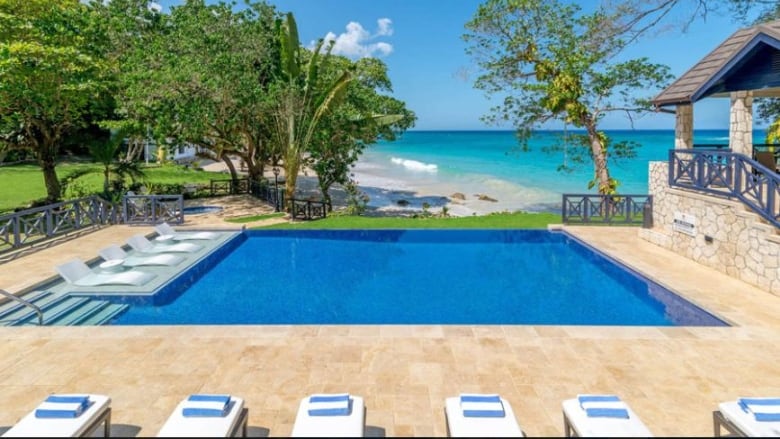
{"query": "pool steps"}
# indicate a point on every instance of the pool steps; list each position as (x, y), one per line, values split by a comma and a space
(65, 310)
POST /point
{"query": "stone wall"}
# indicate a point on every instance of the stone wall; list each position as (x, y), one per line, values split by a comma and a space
(726, 235)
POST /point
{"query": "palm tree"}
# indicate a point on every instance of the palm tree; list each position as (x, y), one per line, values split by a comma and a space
(105, 154)
(304, 98)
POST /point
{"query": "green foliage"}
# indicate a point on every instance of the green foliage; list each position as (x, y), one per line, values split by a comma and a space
(55, 76)
(519, 220)
(550, 61)
(254, 218)
(357, 201)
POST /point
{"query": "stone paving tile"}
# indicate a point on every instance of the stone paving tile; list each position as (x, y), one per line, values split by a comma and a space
(672, 377)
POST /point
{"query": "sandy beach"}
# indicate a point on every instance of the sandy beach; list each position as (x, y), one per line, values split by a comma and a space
(392, 197)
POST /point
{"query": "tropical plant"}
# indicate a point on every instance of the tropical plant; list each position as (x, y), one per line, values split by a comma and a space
(365, 116)
(550, 61)
(304, 97)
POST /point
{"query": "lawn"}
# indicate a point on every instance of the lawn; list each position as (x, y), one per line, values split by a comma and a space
(518, 220)
(21, 184)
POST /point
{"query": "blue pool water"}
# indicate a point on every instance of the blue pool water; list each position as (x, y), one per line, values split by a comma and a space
(197, 210)
(414, 277)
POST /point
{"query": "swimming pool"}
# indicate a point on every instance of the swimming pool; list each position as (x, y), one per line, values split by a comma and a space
(198, 210)
(414, 277)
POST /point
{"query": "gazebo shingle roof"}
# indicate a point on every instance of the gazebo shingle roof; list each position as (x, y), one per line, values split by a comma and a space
(683, 90)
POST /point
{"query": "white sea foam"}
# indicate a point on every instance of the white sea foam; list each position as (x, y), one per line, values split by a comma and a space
(414, 165)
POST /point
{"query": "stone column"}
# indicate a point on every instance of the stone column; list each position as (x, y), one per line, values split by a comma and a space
(741, 123)
(683, 127)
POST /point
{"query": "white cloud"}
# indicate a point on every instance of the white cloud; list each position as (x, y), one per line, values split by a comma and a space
(357, 42)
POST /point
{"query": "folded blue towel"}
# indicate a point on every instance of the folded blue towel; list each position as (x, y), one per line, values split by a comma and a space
(767, 417)
(330, 405)
(80, 399)
(597, 412)
(207, 406)
(62, 406)
(762, 409)
(482, 406)
(597, 398)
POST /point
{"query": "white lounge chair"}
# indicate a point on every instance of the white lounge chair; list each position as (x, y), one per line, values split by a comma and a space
(97, 413)
(116, 253)
(752, 417)
(480, 415)
(139, 243)
(330, 415)
(76, 272)
(166, 229)
(183, 424)
(601, 416)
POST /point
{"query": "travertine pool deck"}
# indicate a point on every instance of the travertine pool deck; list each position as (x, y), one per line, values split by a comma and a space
(672, 377)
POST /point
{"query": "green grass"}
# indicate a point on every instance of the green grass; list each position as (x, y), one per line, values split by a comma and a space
(21, 184)
(520, 220)
(253, 218)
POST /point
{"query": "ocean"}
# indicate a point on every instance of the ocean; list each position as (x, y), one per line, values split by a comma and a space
(431, 166)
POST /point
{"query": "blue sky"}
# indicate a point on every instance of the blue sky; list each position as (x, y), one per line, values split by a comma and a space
(420, 41)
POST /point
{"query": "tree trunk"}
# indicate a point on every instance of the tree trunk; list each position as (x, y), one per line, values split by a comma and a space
(601, 172)
(233, 174)
(53, 187)
(106, 178)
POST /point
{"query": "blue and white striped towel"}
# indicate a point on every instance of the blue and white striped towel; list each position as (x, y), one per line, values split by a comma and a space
(62, 406)
(330, 404)
(481, 405)
(603, 406)
(205, 405)
(762, 409)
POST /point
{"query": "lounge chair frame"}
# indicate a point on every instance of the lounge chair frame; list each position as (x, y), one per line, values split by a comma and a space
(719, 422)
(241, 423)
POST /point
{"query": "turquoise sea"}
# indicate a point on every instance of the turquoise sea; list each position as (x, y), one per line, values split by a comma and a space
(421, 165)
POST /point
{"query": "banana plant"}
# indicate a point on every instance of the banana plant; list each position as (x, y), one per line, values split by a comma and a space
(305, 98)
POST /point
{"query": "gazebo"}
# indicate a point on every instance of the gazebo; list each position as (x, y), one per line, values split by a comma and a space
(744, 66)
(722, 208)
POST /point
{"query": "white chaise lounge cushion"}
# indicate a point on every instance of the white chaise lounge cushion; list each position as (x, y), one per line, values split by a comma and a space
(76, 272)
(352, 425)
(179, 425)
(745, 421)
(114, 252)
(139, 243)
(466, 426)
(585, 426)
(32, 426)
(166, 229)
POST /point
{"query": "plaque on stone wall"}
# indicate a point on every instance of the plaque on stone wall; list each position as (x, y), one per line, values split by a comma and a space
(684, 223)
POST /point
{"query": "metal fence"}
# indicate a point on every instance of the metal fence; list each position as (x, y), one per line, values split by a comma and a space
(730, 175)
(151, 209)
(229, 186)
(30, 226)
(308, 209)
(271, 194)
(608, 209)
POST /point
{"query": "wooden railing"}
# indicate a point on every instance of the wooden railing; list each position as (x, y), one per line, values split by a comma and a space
(730, 175)
(608, 209)
(152, 209)
(30, 226)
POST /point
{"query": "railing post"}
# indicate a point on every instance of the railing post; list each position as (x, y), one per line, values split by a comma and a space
(49, 222)
(564, 210)
(586, 210)
(672, 158)
(77, 209)
(17, 241)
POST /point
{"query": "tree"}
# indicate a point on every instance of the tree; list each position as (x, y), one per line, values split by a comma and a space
(303, 97)
(199, 76)
(365, 116)
(53, 75)
(550, 61)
